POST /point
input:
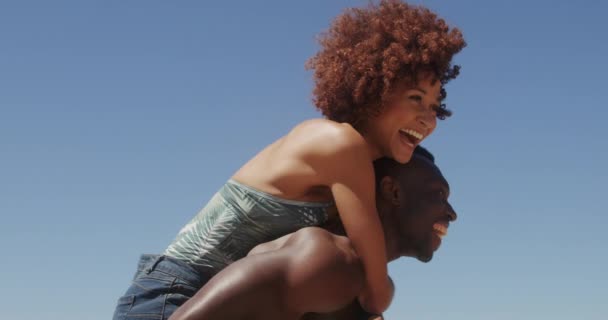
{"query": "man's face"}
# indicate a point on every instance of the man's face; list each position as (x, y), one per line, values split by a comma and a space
(424, 212)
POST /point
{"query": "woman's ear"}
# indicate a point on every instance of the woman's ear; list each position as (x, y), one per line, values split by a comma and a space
(390, 191)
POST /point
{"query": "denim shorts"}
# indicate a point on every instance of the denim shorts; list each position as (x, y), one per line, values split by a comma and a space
(160, 285)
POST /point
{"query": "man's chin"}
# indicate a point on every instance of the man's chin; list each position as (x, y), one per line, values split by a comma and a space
(427, 248)
(425, 257)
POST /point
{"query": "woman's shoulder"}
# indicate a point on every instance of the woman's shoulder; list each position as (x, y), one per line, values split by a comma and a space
(327, 133)
(330, 148)
(323, 124)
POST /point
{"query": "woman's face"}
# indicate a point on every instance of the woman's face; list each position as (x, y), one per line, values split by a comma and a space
(408, 117)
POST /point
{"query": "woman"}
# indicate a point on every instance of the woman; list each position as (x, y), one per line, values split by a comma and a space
(379, 82)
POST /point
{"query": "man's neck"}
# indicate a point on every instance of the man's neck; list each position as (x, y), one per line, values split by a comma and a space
(391, 236)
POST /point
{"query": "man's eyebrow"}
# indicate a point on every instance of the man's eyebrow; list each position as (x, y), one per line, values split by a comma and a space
(441, 184)
(446, 187)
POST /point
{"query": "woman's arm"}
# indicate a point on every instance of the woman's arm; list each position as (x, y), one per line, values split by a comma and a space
(345, 164)
(354, 195)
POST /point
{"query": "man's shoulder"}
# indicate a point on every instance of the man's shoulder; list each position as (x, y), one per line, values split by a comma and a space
(324, 270)
(324, 248)
(320, 250)
(316, 236)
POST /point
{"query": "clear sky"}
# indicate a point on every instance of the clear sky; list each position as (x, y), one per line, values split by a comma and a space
(120, 119)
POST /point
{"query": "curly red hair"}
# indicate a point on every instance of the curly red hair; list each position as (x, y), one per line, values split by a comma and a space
(366, 51)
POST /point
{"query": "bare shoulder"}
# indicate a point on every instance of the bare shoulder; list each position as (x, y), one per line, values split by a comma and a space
(309, 156)
(324, 126)
(325, 273)
(321, 251)
(333, 150)
(321, 241)
(326, 136)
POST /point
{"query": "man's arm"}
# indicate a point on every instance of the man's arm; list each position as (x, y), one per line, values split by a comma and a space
(312, 271)
(353, 311)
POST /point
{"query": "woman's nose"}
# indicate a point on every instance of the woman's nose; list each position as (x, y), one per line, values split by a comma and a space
(428, 119)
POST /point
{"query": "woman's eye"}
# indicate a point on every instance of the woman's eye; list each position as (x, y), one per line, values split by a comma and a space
(416, 98)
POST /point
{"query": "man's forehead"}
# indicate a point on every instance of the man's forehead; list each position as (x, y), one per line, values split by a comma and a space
(425, 171)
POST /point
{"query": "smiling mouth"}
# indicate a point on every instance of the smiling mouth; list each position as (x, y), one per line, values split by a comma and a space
(413, 136)
(441, 229)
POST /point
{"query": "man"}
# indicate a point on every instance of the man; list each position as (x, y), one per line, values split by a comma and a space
(315, 271)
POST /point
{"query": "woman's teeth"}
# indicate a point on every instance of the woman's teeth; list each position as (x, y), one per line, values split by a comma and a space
(413, 133)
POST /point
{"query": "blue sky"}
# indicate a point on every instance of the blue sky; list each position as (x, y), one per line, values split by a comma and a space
(119, 120)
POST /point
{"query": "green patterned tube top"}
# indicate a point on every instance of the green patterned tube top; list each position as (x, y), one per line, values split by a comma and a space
(236, 219)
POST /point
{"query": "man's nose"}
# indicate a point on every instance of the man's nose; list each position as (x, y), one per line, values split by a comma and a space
(451, 213)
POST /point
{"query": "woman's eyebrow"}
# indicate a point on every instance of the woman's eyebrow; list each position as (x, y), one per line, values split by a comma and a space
(421, 90)
(424, 92)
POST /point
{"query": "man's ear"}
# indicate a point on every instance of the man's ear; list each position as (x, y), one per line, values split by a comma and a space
(390, 191)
